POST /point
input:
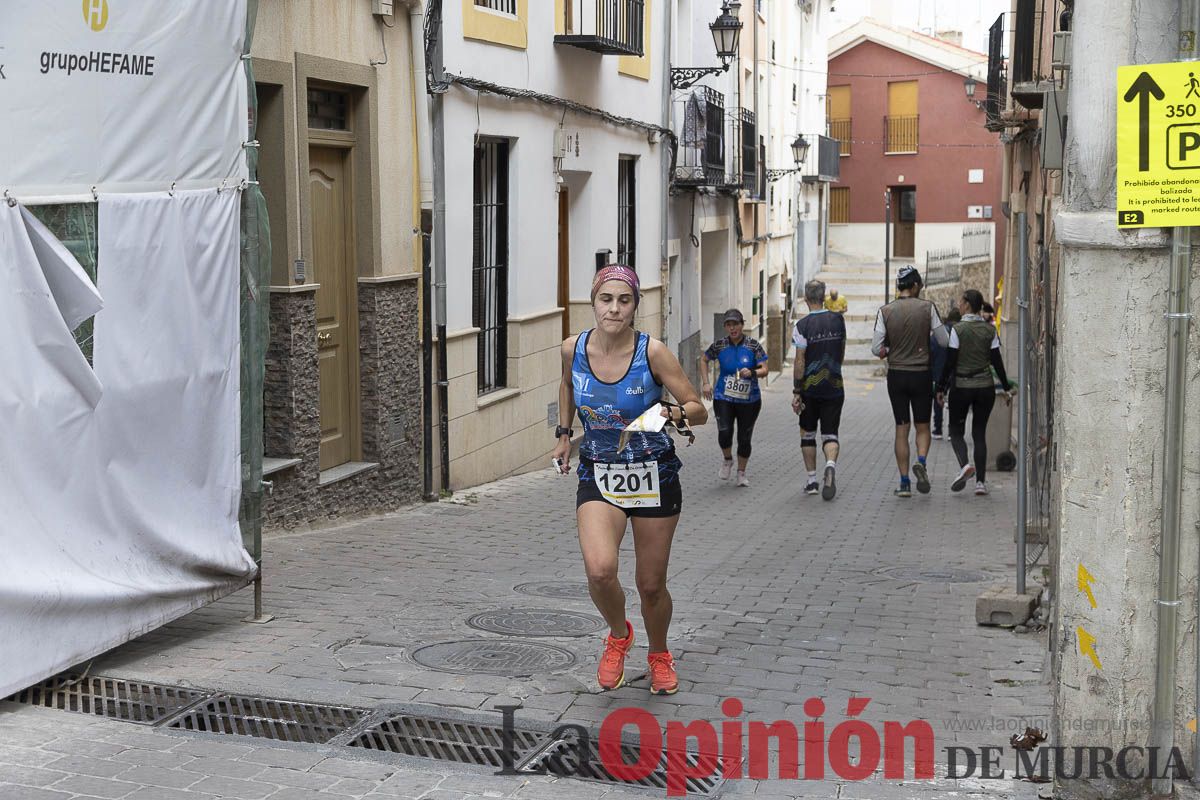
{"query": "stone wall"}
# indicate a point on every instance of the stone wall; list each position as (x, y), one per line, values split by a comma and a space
(974, 275)
(390, 407)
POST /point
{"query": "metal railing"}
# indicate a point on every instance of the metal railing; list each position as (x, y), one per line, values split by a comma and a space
(976, 242)
(997, 82)
(942, 266)
(700, 160)
(840, 129)
(748, 140)
(901, 134)
(605, 26)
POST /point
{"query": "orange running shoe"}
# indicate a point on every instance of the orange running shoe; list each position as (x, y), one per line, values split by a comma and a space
(611, 672)
(663, 679)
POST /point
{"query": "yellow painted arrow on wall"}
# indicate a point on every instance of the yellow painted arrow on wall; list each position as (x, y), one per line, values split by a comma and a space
(1087, 646)
(1083, 580)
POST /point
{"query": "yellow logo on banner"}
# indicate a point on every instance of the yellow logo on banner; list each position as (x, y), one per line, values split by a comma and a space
(1158, 145)
(95, 14)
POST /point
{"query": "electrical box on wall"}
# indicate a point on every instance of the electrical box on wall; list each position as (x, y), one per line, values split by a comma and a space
(1054, 128)
(381, 8)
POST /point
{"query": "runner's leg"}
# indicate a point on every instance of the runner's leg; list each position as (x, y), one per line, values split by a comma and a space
(746, 415)
(724, 412)
(652, 538)
(959, 405)
(981, 410)
(601, 529)
(900, 411)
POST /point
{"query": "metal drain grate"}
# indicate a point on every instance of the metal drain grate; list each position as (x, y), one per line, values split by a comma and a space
(269, 719)
(561, 757)
(131, 701)
(446, 740)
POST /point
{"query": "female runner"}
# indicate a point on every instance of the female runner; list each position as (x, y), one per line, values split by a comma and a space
(612, 374)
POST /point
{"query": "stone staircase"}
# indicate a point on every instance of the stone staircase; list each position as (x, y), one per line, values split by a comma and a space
(862, 286)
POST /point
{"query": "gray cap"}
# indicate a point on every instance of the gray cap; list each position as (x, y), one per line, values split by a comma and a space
(733, 315)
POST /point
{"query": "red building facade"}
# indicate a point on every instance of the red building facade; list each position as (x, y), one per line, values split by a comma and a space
(899, 102)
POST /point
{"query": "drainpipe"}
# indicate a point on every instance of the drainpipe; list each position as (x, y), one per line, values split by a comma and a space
(665, 157)
(416, 29)
(1022, 396)
(1178, 316)
(437, 89)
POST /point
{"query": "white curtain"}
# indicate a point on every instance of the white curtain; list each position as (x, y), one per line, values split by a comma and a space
(119, 484)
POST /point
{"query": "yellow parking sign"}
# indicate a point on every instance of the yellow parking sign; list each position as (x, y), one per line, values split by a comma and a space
(1158, 145)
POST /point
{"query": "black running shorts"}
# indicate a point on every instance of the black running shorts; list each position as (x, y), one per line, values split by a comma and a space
(823, 411)
(910, 390)
(670, 499)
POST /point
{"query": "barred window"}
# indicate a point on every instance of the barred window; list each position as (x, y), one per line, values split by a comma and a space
(627, 211)
(839, 205)
(489, 273)
(503, 6)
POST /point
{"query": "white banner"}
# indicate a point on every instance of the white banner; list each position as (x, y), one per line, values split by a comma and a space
(122, 95)
(121, 480)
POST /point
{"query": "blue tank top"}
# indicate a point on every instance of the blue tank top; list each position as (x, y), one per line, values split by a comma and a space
(606, 408)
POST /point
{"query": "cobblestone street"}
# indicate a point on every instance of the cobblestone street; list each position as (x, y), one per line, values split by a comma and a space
(779, 597)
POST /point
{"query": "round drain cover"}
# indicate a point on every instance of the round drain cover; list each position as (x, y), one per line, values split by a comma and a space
(514, 659)
(535, 622)
(936, 574)
(558, 590)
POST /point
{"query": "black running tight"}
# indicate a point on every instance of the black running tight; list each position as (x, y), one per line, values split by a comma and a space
(744, 414)
(979, 403)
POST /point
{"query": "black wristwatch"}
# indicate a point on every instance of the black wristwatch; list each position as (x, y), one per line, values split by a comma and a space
(560, 431)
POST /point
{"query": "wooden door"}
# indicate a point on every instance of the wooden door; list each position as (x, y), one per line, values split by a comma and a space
(332, 265)
(904, 222)
(564, 259)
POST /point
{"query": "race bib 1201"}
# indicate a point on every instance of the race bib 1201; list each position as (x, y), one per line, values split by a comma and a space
(629, 485)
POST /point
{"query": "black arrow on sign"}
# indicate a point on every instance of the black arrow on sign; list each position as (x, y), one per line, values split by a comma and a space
(1142, 89)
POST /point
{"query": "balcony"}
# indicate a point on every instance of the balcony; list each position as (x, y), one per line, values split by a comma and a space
(900, 135)
(997, 83)
(700, 160)
(829, 165)
(609, 27)
(748, 140)
(840, 129)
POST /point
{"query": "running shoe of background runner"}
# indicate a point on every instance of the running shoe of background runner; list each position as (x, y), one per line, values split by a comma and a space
(918, 469)
(726, 470)
(663, 679)
(830, 488)
(742, 480)
(905, 490)
(964, 474)
(980, 488)
(812, 487)
(611, 672)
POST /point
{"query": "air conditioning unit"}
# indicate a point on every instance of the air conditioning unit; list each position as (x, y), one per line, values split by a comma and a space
(381, 8)
(1060, 54)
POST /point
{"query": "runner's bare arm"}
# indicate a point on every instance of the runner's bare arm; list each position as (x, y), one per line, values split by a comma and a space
(666, 367)
(705, 385)
(566, 401)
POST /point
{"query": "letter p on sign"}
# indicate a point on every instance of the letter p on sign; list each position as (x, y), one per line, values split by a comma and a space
(1183, 146)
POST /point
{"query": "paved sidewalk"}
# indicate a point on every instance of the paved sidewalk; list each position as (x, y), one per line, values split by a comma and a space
(779, 597)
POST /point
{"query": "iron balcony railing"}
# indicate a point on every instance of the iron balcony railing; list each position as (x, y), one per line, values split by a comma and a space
(747, 130)
(611, 27)
(942, 266)
(901, 134)
(997, 84)
(700, 160)
(840, 129)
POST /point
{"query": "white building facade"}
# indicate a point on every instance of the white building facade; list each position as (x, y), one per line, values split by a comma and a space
(554, 152)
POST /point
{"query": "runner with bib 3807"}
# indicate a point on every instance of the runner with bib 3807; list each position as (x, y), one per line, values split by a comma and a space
(736, 399)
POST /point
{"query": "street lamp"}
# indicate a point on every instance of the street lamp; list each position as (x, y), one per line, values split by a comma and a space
(969, 87)
(726, 31)
(799, 153)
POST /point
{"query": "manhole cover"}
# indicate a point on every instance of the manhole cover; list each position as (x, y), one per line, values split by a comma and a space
(514, 659)
(536, 622)
(558, 590)
(936, 574)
